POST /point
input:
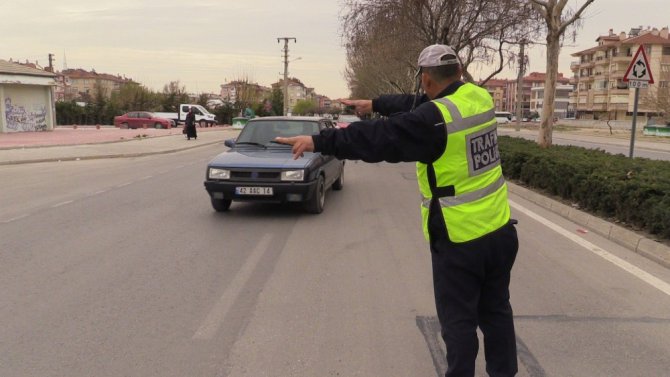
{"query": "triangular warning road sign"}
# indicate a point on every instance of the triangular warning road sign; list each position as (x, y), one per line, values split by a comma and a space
(639, 69)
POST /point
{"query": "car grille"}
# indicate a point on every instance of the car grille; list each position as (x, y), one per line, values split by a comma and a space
(255, 175)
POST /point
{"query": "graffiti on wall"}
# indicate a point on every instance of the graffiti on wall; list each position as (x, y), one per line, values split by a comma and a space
(19, 118)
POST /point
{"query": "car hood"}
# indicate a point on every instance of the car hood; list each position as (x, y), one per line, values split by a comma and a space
(261, 158)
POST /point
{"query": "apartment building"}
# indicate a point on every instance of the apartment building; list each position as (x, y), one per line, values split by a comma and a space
(244, 91)
(561, 101)
(601, 93)
(533, 80)
(297, 91)
(498, 91)
(85, 85)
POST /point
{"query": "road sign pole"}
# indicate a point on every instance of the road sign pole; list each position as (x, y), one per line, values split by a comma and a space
(632, 135)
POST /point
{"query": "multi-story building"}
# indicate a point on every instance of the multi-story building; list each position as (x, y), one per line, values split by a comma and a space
(297, 91)
(244, 91)
(561, 100)
(600, 91)
(533, 80)
(82, 84)
(497, 89)
(323, 102)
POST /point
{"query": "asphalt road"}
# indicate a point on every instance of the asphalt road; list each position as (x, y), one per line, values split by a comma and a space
(120, 268)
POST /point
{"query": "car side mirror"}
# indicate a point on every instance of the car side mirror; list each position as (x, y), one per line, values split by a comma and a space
(230, 143)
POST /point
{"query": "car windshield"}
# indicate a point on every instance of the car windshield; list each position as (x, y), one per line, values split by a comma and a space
(348, 118)
(265, 131)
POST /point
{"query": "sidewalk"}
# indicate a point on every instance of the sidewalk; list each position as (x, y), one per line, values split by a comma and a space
(88, 142)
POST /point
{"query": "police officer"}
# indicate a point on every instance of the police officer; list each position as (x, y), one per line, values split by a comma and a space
(451, 135)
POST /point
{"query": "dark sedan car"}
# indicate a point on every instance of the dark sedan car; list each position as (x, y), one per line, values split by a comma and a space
(256, 168)
(142, 119)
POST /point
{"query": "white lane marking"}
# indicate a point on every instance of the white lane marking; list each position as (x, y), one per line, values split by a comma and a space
(633, 270)
(62, 203)
(124, 184)
(146, 177)
(99, 192)
(15, 218)
(215, 318)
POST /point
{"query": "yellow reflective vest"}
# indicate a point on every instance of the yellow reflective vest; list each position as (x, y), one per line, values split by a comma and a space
(477, 201)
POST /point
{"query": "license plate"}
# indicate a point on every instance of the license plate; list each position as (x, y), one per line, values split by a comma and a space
(253, 190)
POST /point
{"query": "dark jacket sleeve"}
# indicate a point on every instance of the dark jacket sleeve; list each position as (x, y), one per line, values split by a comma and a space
(392, 104)
(409, 136)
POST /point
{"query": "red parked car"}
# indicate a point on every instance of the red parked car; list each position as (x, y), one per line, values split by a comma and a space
(142, 119)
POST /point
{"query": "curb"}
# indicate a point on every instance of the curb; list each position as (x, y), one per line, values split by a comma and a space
(653, 250)
(102, 156)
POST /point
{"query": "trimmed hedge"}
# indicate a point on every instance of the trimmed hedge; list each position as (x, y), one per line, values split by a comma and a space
(633, 191)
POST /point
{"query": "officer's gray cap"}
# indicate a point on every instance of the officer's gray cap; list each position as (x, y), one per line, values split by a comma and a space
(437, 55)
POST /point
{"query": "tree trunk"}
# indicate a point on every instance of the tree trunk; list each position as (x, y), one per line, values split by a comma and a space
(544, 137)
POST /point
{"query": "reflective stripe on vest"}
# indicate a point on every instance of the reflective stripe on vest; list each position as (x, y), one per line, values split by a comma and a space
(458, 123)
(451, 201)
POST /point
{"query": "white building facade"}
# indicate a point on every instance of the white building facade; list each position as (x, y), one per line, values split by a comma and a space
(26, 98)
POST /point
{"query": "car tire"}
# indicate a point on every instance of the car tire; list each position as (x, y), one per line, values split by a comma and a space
(124, 126)
(203, 123)
(158, 126)
(339, 182)
(221, 205)
(316, 203)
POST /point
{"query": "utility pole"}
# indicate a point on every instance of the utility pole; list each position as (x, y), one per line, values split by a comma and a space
(519, 85)
(51, 63)
(286, 40)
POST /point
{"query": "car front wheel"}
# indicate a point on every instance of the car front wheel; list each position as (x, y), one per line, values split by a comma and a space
(221, 205)
(316, 203)
(203, 123)
(339, 183)
(124, 126)
(158, 126)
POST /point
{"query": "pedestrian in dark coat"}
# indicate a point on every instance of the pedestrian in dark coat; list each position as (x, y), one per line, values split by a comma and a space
(189, 125)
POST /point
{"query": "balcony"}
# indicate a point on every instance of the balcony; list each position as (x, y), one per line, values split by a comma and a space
(602, 61)
(618, 91)
(617, 107)
(622, 58)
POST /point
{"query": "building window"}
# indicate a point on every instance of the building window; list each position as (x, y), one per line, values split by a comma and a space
(666, 50)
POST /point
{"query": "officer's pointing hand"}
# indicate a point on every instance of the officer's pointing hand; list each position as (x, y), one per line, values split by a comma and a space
(361, 106)
(300, 144)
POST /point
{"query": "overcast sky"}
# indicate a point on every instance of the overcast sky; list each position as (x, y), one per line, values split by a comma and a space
(205, 43)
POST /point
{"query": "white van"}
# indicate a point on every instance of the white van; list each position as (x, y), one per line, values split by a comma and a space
(503, 117)
(203, 117)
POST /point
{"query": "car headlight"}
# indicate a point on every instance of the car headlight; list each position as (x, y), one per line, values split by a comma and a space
(215, 173)
(293, 175)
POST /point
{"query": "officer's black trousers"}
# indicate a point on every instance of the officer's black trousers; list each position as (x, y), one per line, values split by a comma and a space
(471, 282)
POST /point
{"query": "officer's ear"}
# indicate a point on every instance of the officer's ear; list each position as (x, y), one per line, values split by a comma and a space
(427, 82)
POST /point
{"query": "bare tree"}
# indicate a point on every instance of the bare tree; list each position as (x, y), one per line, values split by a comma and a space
(557, 19)
(393, 32)
(657, 100)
